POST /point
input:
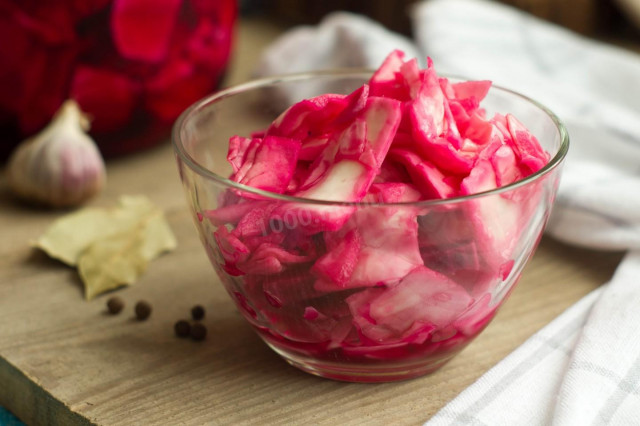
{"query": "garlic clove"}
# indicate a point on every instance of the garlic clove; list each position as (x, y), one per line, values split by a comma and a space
(61, 166)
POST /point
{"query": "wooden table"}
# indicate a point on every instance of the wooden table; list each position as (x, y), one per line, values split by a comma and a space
(64, 361)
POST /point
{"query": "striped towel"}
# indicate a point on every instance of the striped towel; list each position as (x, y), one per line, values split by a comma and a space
(584, 367)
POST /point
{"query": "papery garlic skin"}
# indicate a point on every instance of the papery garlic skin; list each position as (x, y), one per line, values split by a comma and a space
(61, 166)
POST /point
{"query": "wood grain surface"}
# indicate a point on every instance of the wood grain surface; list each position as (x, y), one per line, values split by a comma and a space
(64, 361)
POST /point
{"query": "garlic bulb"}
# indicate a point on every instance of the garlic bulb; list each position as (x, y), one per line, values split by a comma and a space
(61, 166)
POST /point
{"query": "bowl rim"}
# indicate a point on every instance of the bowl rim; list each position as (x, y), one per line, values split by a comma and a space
(194, 165)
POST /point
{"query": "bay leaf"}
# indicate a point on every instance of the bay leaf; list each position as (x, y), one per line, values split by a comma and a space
(112, 262)
(111, 247)
(70, 235)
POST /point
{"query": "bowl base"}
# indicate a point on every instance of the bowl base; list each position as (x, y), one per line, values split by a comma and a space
(373, 373)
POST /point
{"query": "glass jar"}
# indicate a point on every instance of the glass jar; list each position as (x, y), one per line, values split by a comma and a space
(132, 65)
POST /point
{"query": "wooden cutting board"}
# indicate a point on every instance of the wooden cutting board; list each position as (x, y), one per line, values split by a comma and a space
(64, 361)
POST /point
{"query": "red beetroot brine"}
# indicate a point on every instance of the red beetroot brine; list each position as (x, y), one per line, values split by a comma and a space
(376, 279)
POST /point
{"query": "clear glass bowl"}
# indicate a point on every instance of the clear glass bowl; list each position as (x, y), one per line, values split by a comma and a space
(469, 251)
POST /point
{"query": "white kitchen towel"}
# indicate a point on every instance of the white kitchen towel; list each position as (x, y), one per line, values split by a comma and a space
(522, 389)
(581, 369)
(584, 367)
(341, 40)
(594, 88)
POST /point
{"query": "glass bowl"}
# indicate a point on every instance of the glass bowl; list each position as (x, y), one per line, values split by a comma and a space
(441, 268)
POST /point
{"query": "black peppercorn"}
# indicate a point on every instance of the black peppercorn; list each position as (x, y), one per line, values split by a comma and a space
(182, 328)
(197, 312)
(198, 331)
(143, 310)
(115, 305)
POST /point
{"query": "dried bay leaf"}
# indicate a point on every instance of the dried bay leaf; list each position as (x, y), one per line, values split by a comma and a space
(112, 262)
(72, 234)
(158, 237)
(111, 247)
